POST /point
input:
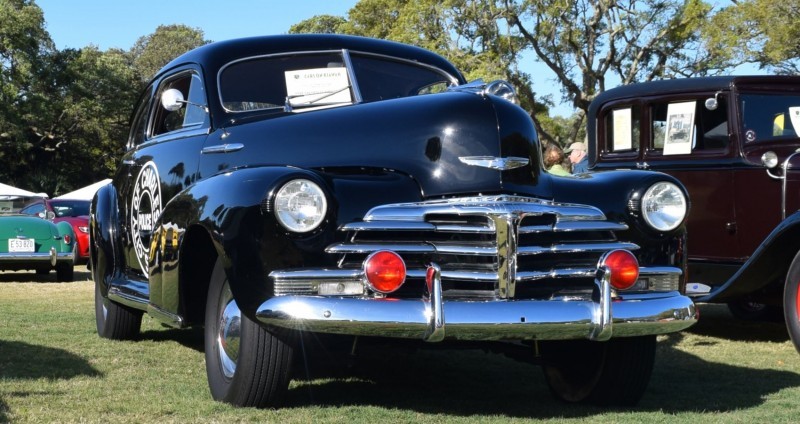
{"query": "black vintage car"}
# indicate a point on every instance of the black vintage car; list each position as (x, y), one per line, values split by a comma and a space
(286, 185)
(737, 159)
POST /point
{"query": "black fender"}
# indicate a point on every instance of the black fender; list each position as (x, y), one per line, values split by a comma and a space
(104, 238)
(234, 209)
(767, 266)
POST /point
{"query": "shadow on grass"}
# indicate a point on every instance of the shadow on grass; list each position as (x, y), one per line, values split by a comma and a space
(80, 274)
(23, 361)
(191, 338)
(476, 383)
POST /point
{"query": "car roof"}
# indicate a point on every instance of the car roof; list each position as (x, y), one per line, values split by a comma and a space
(215, 55)
(680, 85)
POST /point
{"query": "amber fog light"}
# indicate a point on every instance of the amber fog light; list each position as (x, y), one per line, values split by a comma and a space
(623, 267)
(385, 271)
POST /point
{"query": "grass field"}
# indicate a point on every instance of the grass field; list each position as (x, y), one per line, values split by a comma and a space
(54, 368)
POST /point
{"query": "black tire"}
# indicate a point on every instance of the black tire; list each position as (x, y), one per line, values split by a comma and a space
(65, 272)
(747, 310)
(791, 301)
(113, 320)
(612, 373)
(250, 366)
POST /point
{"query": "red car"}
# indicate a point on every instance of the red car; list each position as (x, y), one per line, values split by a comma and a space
(76, 212)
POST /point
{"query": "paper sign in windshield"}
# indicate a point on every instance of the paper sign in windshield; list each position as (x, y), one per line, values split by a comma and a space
(680, 128)
(318, 86)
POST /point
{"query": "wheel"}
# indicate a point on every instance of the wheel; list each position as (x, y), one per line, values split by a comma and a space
(612, 373)
(748, 310)
(65, 272)
(791, 301)
(113, 320)
(246, 365)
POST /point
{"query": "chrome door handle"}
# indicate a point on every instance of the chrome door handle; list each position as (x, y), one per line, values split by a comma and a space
(222, 148)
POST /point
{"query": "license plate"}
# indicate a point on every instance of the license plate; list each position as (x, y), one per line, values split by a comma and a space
(20, 245)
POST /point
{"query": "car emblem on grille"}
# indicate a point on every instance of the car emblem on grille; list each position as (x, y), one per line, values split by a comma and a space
(492, 162)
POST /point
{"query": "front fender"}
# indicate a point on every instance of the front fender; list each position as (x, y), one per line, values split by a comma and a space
(104, 232)
(768, 265)
(233, 209)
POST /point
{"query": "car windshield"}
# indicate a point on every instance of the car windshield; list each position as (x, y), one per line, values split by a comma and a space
(770, 117)
(13, 204)
(322, 80)
(64, 208)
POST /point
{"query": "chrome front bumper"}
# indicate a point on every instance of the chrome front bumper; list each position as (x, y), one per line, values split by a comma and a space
(434, 319)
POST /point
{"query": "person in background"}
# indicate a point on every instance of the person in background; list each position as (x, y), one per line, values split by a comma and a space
(578, 157)
(553, 157)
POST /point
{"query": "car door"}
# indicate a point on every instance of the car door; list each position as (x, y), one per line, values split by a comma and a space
(164, 146)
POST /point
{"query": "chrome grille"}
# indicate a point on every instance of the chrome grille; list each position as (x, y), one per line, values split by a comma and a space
(499, 246)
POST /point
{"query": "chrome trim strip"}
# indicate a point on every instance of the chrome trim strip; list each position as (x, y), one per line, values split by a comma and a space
(310, 274)
(351, 75)
(659, 270)
(493, 162)
(413, 226)
(222, 148)
(478, 320)
(575, 248)
(413, 248)
(568, 226)
(556, 273)
(34, 256)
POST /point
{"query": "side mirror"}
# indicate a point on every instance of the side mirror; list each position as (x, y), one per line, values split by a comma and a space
(51, 215)
(712, 103)
(172, 99)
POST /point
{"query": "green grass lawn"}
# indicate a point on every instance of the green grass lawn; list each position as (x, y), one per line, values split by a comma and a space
(54, 368)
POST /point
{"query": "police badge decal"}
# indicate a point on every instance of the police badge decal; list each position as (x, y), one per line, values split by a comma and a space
(145, 211)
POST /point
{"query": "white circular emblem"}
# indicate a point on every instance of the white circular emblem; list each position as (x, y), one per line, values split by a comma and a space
(145, 210)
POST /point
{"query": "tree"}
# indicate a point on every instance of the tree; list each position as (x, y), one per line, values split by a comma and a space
(320, 24)
(764, 32)
(152, 52)
(588, 43)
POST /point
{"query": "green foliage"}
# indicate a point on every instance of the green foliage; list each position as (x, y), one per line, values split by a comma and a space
(764, 32)
(152, 52)
(320, 24)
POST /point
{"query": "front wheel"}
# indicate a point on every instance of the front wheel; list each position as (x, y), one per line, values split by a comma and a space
(791, 301)
(612, 373)
(113, 320)
(246, 365)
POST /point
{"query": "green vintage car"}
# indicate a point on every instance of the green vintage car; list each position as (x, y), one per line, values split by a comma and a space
(31, 243)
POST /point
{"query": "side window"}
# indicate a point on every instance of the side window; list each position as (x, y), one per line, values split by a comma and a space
(139, 121)
(622, 129)
(770, 116)
(687, 126)
(191, 115)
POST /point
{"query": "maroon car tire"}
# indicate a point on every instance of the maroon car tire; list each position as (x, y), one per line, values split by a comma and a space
(791, 301)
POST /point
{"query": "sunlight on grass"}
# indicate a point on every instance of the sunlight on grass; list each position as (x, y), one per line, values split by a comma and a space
(54, 368)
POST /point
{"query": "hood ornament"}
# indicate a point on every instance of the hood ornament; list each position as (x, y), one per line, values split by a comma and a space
(492, 162)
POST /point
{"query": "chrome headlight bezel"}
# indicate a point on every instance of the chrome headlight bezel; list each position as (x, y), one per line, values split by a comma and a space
(664, 206)
(300, 205)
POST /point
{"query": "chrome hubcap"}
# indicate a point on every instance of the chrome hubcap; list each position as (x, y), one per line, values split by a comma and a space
(229, 333)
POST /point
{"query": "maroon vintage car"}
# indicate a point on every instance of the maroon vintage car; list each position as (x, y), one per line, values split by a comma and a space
(73, 211)
(733, 142)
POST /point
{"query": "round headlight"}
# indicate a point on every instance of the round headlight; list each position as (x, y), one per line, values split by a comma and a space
(664, 206)
(300, 206)
(502, 89)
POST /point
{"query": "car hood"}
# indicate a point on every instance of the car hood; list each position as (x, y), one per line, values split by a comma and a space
(446, 142)
(12, 226)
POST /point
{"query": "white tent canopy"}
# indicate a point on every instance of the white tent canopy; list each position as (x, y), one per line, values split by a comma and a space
(85, 193)
(9, 191)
